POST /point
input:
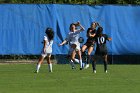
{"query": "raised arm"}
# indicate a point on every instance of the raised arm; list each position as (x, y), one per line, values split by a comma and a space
(81, 27)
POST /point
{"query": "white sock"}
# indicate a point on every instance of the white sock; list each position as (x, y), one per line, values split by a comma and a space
(80, 61)
(72, 63)
(76, 60)
(50, 67)
(38, 67)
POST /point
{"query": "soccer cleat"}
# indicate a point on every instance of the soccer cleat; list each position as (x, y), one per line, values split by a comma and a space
(87, 66)
(81, 68)
(36, 71)
(106, 71)
(73, 68)
(94, 71)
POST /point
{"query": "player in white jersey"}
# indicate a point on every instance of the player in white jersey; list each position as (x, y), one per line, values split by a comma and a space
(47, 49)
(72, 38)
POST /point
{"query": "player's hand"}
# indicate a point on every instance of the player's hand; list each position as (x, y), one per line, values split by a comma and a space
(78, 23)
(97, 24)
(59, 45)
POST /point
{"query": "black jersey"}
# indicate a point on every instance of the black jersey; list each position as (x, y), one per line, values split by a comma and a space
(101, 47)
(91, 31)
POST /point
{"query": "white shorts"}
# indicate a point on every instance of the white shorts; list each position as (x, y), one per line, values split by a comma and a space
(47, 53)
(76, 49)
(44, 55)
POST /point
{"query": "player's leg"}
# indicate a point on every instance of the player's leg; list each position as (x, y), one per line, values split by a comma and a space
(90, 49)
(105, 63)
(83, 54)
(84, 47)
(94, 63)
(80, 58)
(41, 58)
(95, 59)
(75, 59)
(72, 58)
(49, 62)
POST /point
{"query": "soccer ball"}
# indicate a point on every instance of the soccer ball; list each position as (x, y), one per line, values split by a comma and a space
(81, 39)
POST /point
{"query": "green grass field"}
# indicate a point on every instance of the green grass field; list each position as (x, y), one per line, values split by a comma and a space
(19, 78)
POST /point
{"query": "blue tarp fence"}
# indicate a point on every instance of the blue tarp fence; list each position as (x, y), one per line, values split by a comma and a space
(22, 26)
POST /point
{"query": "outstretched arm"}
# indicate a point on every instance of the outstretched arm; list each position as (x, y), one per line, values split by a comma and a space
(109, 39)
(64, 42)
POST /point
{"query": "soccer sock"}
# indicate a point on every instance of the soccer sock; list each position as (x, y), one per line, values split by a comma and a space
(94, 65)
(38, 67)
(105, 65)
(72, 63)
(88, 59)
(83, 55)
(76, 60)
(81, 65)
(50, 67)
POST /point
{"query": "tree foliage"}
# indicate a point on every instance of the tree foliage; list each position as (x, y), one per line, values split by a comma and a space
(72, 1)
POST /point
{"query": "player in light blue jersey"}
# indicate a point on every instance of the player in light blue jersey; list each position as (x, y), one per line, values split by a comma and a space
(47, 49)
(74, 44)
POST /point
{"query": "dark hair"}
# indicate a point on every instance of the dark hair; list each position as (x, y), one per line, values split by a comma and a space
(50, 33)
(99, 31)
(71, 26)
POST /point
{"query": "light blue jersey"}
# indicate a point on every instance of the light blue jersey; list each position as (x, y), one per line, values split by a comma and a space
(73, 37)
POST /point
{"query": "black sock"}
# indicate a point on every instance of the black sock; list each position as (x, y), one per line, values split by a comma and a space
(105, 65)
(94, 65)
(84, 57)
(88, 59)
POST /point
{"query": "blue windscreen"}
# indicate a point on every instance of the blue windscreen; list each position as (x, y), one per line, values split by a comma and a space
(22, 26)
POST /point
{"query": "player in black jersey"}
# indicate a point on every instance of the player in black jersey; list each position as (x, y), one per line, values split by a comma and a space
(101, 48)
(89, 45)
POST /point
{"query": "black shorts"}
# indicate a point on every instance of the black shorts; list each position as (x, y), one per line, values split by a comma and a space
(89, 44)
(101, 52)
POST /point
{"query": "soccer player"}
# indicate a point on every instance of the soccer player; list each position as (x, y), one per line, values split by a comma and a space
(47, 49)
(74, 44)
(89, 45)
(101, 48)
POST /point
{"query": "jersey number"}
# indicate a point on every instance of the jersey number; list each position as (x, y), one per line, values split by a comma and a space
(101, 40)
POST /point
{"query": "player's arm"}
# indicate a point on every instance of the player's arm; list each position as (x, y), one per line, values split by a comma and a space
(81, 27)
(109, 39)
(64, 42)
(98, 25)
(92, 35)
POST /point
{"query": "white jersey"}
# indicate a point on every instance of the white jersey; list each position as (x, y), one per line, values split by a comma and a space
(49, 43)
(48, 46)
(73, 37)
